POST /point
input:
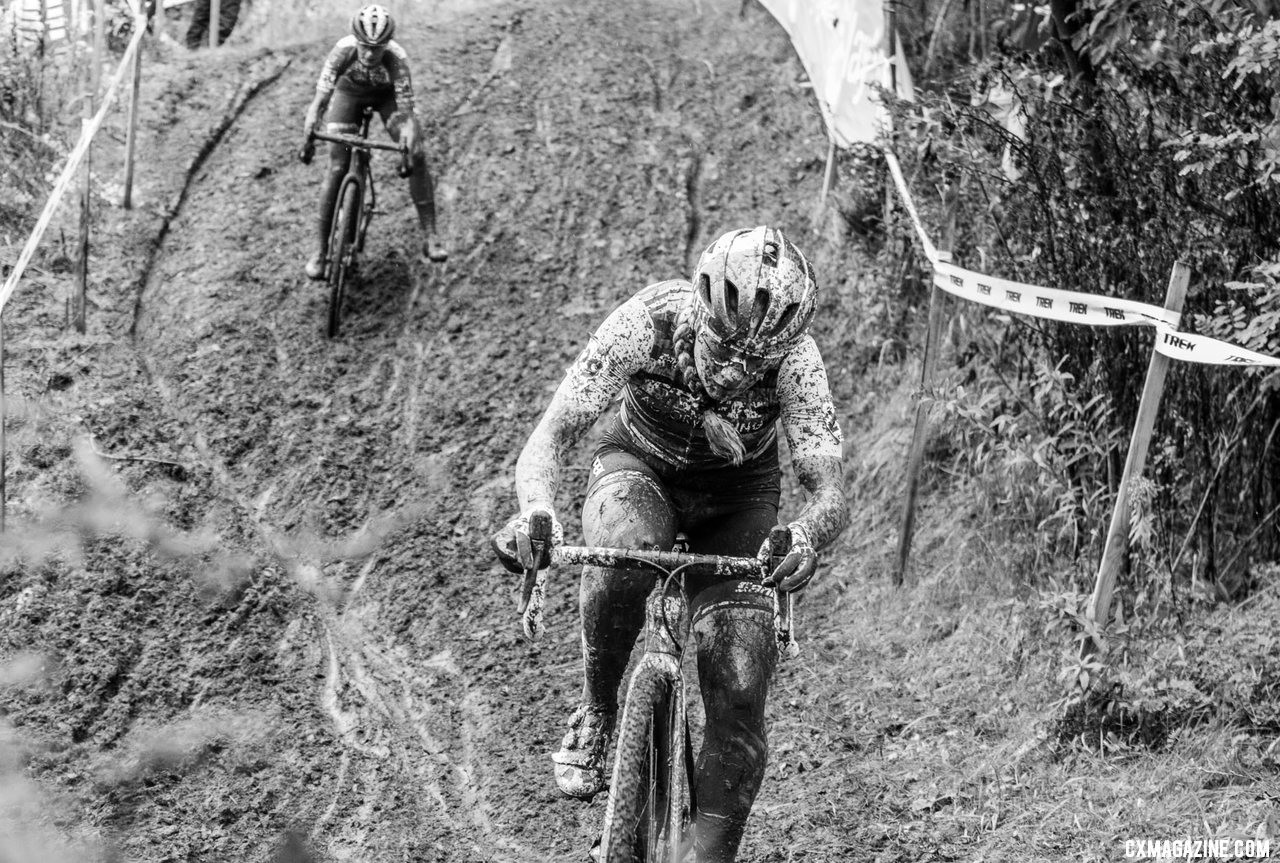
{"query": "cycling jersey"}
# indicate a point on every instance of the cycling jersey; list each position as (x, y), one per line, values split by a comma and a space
(633, 352)
(343, 71)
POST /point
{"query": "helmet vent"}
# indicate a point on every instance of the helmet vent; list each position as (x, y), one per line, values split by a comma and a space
(785, 320)
(704, 290)
(761, 310)
(770, 253)
(730, 300)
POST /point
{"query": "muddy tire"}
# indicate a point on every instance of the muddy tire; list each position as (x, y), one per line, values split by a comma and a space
(342, 252)
(647, 815)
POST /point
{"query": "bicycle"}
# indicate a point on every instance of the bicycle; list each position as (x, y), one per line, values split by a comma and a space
(353, 208)
(651, 803)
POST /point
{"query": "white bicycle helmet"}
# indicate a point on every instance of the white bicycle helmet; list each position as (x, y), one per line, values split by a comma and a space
(373, 25)
(756, 290)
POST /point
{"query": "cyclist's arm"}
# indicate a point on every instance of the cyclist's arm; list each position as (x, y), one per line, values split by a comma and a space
(335, 64)
(397, 64)
(618, 349)
(809, 420)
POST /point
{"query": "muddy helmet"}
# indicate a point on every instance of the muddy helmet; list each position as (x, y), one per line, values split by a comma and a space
(373, 25)
(755, 290)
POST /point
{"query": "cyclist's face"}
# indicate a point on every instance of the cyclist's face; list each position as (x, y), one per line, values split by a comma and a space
(370, 55)
(727, 370)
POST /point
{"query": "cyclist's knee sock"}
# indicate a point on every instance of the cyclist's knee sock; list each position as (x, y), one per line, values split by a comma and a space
(730, 769)
(422, 191)
(612, 605)
(736, 656)
(329, 198)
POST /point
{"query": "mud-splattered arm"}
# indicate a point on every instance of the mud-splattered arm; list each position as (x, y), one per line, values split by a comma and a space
(616, 351)
(809, 420)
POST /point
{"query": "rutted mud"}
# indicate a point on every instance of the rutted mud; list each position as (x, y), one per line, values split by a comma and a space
(581, 153)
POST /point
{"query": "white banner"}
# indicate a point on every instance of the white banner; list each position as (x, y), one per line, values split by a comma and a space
(1072, 306)
(842, 46)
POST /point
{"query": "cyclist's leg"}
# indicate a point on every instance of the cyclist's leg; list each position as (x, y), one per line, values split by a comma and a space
(198, 29)
(343, 117)
(421, 188)
(228, 12)
(625, 506)
(733, 632)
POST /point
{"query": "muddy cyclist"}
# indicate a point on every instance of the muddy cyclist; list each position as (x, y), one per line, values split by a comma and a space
(369, 68)
(705, 371)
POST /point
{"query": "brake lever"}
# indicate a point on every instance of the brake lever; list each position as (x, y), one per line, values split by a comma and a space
(533, 591)
(784, 628)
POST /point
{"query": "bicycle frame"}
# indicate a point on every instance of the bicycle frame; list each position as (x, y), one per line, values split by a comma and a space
(346, 243)
(651, 800)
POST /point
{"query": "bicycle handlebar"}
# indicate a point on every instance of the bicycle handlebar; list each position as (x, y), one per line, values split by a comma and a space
(613, 557)
(357, 141)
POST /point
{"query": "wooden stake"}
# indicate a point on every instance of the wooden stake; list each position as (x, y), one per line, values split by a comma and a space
(79, 299)
(1148, 407)
(938, 302)
(4, 443)
(215, 22)
(920, 434)
(157, 20)
(131, 141)
(830, 172)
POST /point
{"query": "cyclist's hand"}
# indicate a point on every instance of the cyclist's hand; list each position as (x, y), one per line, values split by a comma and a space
(791, 555)
(308, 151)
(409, 135)
(516, 542)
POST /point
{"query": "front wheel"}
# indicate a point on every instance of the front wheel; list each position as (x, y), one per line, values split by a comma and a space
(649, 810)
(342, 251)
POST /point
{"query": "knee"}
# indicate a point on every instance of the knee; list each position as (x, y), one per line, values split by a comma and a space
(628, 508)
(736, 656)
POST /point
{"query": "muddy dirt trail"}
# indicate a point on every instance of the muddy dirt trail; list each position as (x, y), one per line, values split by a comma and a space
(580, 154)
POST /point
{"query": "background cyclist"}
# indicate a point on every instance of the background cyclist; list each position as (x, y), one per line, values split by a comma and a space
(705, 372)
(369, 68)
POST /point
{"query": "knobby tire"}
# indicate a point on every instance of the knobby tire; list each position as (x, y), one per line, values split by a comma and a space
(341, 244)
(648, 769)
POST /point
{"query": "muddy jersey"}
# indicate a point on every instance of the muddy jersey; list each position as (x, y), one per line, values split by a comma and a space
(633, 353)
(343, 71)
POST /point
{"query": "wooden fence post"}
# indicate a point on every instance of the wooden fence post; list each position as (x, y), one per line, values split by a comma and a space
(79, 299)
(215, 22)
(131, 141)
(829, 174)
(1148, 407)
(938, 302)
(4, 441)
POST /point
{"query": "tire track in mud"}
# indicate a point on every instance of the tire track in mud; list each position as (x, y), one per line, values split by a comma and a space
(373, 465)
(378, 700)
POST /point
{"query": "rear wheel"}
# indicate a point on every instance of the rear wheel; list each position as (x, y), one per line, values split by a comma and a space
(648, 813)
(342, 251)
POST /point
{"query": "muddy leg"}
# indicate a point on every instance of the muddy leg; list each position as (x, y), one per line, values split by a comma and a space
(736, 658)
(626, 508)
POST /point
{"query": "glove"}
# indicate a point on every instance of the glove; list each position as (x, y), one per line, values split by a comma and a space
(308, 150)
(792, 556)
(540, 526)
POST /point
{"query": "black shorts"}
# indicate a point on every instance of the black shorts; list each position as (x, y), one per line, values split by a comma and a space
(726, 511)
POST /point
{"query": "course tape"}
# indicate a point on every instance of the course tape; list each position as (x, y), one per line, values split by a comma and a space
(87, 133)
(1072, 306)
